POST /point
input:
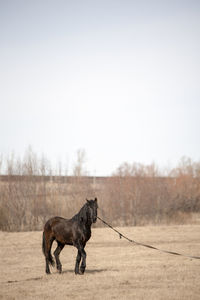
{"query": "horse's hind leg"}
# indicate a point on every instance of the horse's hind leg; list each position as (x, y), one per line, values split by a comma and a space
(56, 254)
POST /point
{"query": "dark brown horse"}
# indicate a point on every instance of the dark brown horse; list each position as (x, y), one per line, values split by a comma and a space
(75, 232)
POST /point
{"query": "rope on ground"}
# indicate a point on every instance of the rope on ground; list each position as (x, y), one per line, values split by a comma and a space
(145, 245)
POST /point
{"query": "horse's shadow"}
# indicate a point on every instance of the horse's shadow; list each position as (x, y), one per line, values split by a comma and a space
(63, 272)
(90, 271)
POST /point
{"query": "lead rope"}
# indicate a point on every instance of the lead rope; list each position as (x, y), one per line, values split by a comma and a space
(147, 246)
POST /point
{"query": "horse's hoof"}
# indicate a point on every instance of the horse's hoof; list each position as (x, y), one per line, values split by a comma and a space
(79, 272)
(59, 269)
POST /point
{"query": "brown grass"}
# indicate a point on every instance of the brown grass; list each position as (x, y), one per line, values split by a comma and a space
(116, 269)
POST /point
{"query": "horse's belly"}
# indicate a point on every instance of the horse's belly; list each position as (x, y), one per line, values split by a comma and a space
(64, 235)
(64, 239)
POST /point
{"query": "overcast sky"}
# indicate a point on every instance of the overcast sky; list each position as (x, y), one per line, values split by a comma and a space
(120, 79)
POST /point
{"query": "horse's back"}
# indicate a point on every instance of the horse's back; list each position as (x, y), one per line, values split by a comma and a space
(52, 222)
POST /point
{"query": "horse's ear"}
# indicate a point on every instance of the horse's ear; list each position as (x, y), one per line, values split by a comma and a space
(95, 199)
(87, 200)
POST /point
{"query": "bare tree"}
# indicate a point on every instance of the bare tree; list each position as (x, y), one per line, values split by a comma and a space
(79, 169)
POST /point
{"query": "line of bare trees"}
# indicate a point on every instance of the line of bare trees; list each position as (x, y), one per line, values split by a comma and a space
(135, 194)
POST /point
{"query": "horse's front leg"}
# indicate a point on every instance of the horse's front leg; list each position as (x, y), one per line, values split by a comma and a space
(78, 259)
(83, 263)
(81, 255)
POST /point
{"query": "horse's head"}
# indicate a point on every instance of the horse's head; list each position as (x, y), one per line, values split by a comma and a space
(92, 209)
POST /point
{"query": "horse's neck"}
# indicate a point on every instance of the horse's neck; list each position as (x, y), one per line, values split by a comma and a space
(83, 221)
(77, 216)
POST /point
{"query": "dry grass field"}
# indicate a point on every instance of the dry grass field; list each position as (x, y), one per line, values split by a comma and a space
(116, 269)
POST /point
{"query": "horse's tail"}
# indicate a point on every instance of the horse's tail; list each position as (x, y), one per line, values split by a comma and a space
(43, 244)
(47, 252)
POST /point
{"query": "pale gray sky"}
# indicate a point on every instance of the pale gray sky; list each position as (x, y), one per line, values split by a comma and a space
(119, 79)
